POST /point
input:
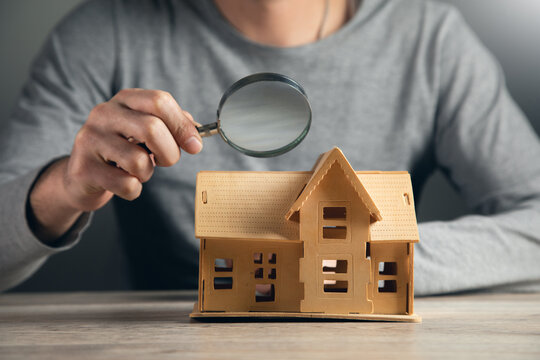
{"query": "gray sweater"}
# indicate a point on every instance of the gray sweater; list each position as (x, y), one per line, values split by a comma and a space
(404, 85)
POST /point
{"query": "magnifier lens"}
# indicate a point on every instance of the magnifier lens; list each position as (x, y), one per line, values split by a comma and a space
(265, 117)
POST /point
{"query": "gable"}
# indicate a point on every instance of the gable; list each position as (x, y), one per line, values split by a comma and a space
(321, 170)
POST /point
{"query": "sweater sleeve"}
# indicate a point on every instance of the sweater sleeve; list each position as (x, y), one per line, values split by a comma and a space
(489, 152)
(72, 74)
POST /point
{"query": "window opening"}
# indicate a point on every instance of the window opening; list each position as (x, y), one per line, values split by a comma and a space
(368, 250)
(259, 273)
(337, 212)
(335, 286)
(272, 258)
(265, 293)
(257, 258)
(387, 286)
(223, 283)
(272, 273)
(223, 265)
(388, 268)
(334, 232)
(334, 266)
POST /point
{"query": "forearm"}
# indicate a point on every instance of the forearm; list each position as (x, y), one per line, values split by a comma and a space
(478, 252)
(49, 212)
(21, 252)
(70, 76)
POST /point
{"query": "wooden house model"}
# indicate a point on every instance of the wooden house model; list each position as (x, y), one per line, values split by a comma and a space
(326, 243)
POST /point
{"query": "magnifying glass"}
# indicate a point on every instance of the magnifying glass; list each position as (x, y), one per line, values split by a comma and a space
(262, 115)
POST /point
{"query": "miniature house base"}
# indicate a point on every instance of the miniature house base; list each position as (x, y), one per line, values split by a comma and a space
(234, 315)
(330, 243)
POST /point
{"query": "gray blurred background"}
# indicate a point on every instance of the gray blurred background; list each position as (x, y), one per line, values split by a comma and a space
(510, 29)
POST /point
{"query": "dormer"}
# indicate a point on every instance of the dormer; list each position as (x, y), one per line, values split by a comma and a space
(333, 170)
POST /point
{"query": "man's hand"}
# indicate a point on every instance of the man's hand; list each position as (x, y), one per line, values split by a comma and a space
(106, 159)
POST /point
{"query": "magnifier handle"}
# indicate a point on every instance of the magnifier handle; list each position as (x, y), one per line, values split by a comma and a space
(208, 129)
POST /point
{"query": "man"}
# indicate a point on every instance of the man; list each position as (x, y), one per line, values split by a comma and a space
(397, 85)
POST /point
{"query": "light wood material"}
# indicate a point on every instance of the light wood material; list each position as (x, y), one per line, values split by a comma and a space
(278, 266)
(326, 162)
(291, 316)
(156, 325)
(254, 204)
(336, 266)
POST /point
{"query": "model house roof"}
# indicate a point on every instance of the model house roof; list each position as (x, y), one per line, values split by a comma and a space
(256, 205)
(320, 170)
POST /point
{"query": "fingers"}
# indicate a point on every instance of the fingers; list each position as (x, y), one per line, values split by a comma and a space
(107, 162)
(144, 128)
(127, 156)
(114, 179)
(162, 105)
(105, 157)
(190, 117)
(92, 172)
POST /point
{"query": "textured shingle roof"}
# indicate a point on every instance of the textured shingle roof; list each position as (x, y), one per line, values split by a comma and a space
(253, 205)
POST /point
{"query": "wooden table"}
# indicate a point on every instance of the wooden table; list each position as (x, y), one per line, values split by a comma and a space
(155, 325)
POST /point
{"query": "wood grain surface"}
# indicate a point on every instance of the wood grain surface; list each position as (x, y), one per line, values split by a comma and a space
(156, 325)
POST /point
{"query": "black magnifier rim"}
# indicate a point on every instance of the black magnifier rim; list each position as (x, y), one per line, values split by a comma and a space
(266, 76)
